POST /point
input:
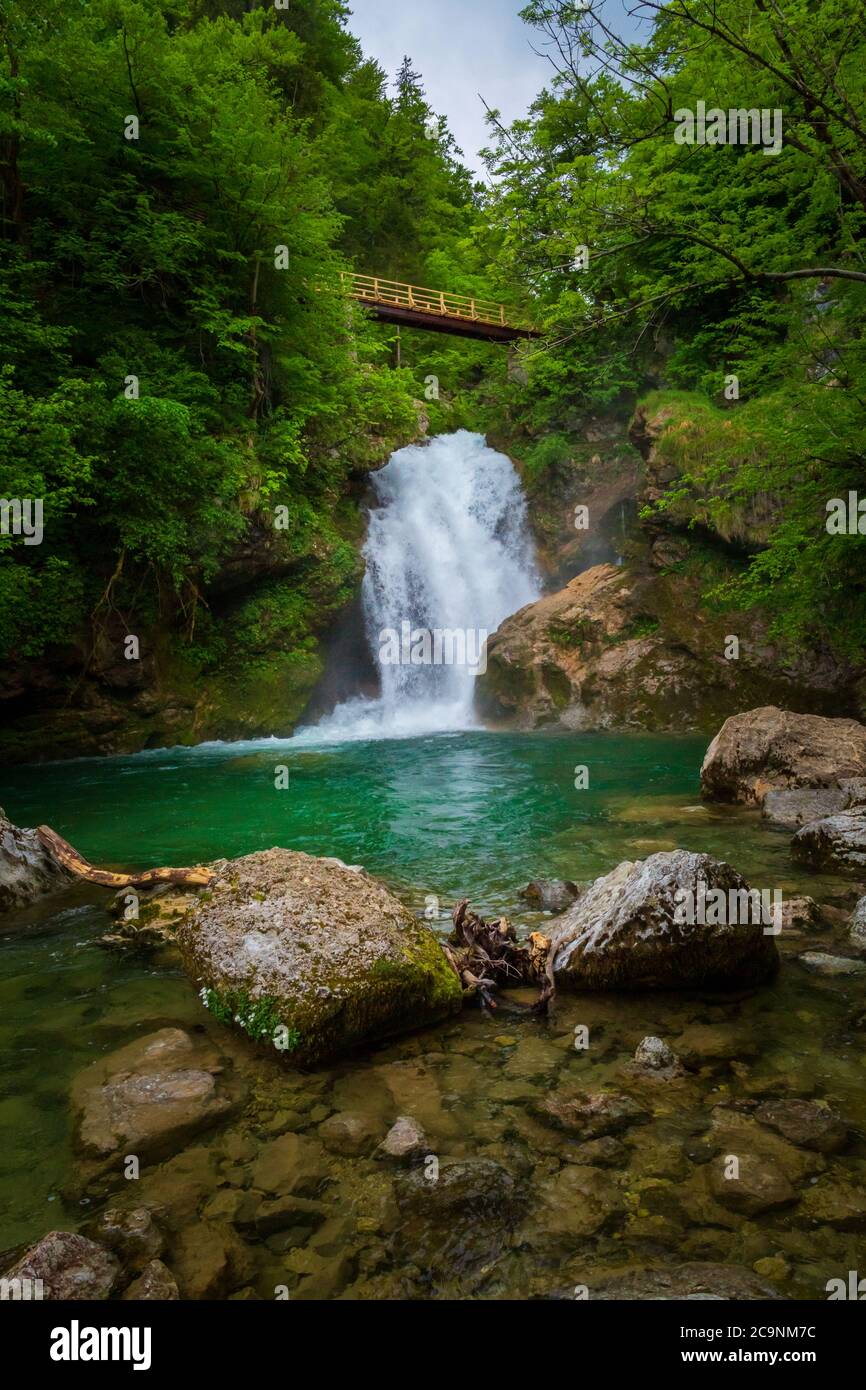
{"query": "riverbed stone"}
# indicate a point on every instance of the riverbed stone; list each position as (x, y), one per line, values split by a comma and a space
(836, 1200)
(69, 1266)
(811, 1124)
(796, 806)
(857, 926)
(834, 967)
(835, 843)
(156, 1283)
(208, 1260)
(655, 1057)
(292, 1165)
(479, 1186)
(550, 894)
(686, 1281)
(27, 870)
(591, 1115)
(349, 1133)
(626, 932)
(759, 1184)
(771, 749)
(314, 957)
(572, 1204)
(404, 1141)
(799, 913)
(131, 1233)
(150, 1097)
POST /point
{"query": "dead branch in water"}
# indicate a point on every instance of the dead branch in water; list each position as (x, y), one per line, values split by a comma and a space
(71, 860)
(487, 955)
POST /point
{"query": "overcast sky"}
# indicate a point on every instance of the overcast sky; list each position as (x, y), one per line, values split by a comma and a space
(461, 48)
(465, 50)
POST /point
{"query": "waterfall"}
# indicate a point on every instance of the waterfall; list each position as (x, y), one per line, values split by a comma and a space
(448, 557)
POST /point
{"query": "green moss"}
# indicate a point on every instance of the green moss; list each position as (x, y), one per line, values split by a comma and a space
(259, 1018)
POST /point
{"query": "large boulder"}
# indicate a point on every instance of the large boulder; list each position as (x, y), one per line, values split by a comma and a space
(627, 930)
(27, 870)
(835, 843)
(771, 749)
(312, 957)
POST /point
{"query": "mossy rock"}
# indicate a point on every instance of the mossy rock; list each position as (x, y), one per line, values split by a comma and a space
(312, 958)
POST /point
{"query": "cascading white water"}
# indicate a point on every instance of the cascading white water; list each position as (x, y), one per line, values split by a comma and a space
(448, 551)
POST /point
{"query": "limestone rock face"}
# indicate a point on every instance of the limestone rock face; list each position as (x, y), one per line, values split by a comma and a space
(69, 1266)
(312, 957)
(624, 932)
(149, 1098)
(27, 870)
(629, 647)
(770, 750)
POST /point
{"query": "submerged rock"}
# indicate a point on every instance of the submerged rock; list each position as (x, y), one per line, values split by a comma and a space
(132, 1234)
(857, 926)
(811, 1124)
(404, 1140)
(589, 1115)
(653, 1055)
(769, 749)
(312, 957)
(27, 870)
(550, 894)
(149, 1098)
(821, 963)
(794, 807)
(836, 842)
(349, 1133)
(693, 1281)
(155, 1283)
(68, 1266)
(626, 931)
(574, 1203)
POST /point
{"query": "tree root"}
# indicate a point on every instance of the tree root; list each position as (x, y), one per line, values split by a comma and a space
(487, 955)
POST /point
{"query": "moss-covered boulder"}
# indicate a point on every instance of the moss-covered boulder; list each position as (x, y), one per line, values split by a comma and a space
(311, 957)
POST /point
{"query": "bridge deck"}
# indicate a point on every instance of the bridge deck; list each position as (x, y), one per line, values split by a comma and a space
(434, 310)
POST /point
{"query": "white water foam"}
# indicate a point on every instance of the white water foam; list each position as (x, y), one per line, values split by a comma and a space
(448, 548)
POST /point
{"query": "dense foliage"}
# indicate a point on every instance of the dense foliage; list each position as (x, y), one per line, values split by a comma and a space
(183, 182)
(705, 262)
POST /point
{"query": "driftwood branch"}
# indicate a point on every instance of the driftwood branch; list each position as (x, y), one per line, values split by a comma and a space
(69, 859)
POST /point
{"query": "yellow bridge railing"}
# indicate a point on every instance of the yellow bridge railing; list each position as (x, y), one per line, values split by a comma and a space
(374, 290)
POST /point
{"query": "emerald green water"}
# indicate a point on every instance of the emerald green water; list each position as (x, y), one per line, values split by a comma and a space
(469, 814)
(465, 815)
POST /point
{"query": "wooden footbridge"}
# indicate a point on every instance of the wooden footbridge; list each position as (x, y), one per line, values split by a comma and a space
(435, 310)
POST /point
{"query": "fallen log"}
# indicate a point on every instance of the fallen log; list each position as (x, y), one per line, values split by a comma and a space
(69, 859)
